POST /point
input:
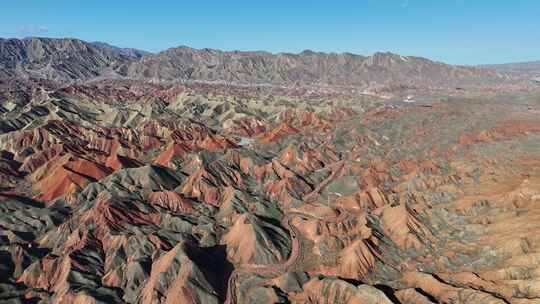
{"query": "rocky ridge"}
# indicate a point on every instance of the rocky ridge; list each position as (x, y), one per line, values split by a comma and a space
(66, 61)
(130, 191)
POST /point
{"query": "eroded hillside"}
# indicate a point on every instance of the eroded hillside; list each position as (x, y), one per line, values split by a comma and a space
(130, 192)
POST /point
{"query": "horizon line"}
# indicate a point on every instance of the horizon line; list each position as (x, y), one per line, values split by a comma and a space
(155, 52)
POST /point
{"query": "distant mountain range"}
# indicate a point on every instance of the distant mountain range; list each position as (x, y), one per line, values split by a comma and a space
(530, 70)
(60, 60)
(129, 52)
(69, 60)
(529, 67)
(306, 68)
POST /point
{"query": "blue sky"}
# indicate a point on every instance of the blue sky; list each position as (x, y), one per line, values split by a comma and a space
(453, 31)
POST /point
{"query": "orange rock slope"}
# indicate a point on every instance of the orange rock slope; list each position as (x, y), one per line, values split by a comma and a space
(132, 192)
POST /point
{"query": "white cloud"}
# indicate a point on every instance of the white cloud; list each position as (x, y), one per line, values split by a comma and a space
(27, 30)
(32, 30)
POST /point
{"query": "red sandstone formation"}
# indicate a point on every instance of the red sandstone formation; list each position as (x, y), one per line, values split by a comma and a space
(134, 192)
